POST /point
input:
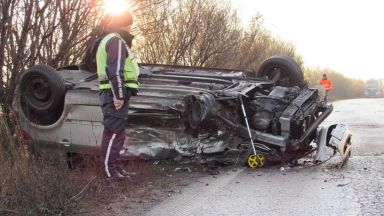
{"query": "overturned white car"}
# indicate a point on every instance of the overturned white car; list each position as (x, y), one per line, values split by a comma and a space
(183, 111)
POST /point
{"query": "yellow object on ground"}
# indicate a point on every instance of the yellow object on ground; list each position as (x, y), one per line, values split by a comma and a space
(257, 160)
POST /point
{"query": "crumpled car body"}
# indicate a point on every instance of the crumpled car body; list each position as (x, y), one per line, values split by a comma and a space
(179, 111)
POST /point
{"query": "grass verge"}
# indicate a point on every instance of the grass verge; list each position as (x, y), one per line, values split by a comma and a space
(31, 184)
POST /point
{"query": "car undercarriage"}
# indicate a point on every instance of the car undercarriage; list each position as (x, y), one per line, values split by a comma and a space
(181, 111)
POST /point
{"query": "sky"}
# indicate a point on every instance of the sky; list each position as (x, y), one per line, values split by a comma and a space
(344, 35)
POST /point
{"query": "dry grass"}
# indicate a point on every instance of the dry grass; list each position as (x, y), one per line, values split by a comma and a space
(30, 184)
(33, 184)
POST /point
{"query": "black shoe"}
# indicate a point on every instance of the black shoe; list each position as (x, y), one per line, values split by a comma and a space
(123, 172)
(117, 176)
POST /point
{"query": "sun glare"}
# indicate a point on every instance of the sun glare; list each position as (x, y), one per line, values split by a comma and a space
(115, 6)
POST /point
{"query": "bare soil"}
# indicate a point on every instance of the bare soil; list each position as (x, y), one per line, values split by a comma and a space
(155, 181)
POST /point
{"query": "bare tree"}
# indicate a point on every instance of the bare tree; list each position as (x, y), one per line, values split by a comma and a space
(49, 32)
(188, 32)
(205, 33)
(183, 32)
(41, 32)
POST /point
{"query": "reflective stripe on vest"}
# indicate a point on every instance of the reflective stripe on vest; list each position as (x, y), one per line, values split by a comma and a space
(131, 68)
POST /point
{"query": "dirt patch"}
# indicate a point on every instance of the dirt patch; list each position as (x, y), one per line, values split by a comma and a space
(154, 182)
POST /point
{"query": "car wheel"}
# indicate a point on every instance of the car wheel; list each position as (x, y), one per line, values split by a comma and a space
(42, 89)
(283, 70)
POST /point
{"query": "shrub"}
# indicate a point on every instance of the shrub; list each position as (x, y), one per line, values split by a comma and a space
(31, 184)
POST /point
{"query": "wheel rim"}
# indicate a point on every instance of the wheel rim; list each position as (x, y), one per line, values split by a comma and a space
(261, 159)
(40, 89)
(252, 161)
(257, 160)
(37, 92)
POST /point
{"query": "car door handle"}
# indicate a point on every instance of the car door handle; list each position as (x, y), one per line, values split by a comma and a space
(65, 142)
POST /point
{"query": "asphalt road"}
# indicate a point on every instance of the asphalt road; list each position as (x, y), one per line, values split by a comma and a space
(356, 189)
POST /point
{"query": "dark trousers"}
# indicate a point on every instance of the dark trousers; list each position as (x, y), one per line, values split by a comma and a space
(114, 131)
(112, 143)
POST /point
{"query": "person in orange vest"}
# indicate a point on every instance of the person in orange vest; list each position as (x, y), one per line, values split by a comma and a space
(328, 86)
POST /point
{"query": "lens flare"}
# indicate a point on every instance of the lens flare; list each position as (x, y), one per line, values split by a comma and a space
(116, 6)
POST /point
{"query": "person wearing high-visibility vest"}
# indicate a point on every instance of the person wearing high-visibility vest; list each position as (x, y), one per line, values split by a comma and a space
(328, 86)
(118, 72)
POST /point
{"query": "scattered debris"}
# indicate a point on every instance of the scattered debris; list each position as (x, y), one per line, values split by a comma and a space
(342, 185)
(183, 169)
(174, 191)
(285, 169)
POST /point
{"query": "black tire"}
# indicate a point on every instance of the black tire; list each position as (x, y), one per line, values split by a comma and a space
(42, 89)
(290, 72)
